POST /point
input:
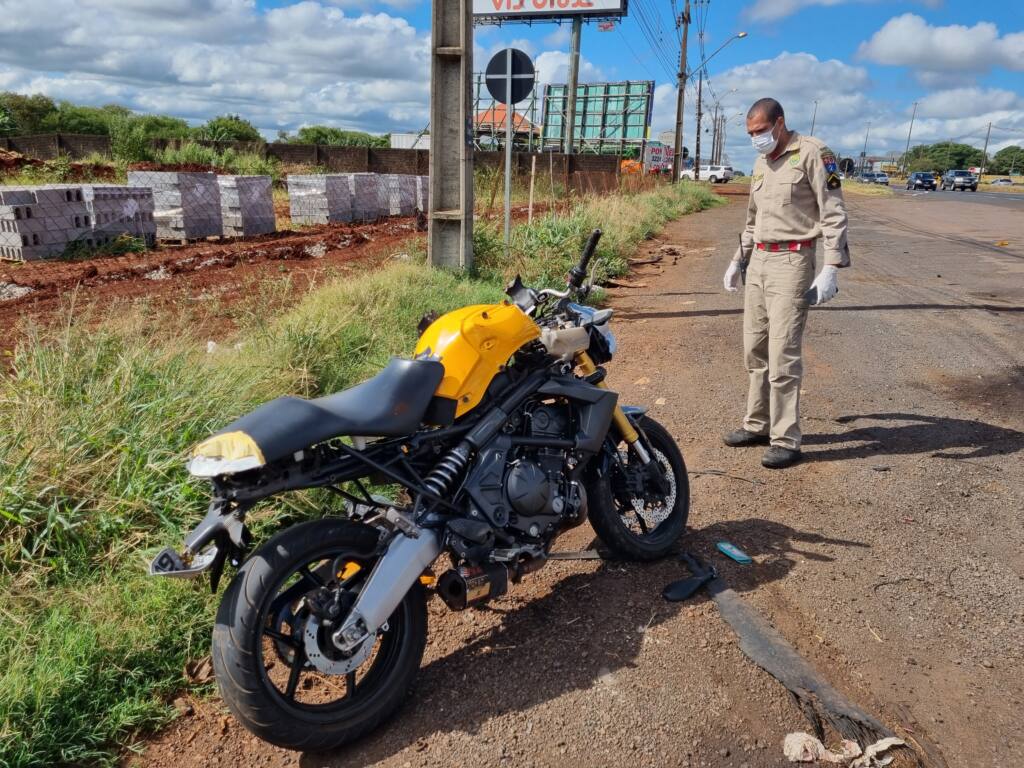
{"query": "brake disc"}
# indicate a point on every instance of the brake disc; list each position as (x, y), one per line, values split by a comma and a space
(332, 662)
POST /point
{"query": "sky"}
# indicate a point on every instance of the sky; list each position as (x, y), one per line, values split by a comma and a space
(364, 64)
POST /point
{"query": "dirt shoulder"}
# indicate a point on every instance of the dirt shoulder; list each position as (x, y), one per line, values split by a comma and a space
(890, 559)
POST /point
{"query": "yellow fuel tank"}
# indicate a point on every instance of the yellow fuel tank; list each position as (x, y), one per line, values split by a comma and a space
(473, 343)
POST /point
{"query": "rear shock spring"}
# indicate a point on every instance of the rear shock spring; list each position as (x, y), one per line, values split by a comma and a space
(448, 470)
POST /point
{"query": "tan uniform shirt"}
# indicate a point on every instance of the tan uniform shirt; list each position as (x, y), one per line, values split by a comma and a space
(797, 196)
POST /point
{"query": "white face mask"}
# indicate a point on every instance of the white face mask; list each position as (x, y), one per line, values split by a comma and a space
(766, 142)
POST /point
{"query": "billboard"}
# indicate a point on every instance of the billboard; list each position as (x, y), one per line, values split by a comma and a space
(538, 9)
(609, 116)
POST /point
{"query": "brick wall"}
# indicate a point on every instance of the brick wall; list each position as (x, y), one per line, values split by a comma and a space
(583, 172)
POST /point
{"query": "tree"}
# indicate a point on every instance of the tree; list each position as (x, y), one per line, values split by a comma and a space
(7, 125)
(1008, 160)
(336, 137)
(27, 112)
(75, 118)
(228, 128)
(943, 156)
(161, 127)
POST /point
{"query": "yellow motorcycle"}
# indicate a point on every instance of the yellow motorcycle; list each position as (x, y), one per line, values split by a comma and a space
(500, 432)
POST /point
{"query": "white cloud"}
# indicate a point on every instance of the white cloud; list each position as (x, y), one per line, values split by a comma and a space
(284, 67)
(773, 10)
(553, 67)
(910, 41)
(845, 108)
(956, 102)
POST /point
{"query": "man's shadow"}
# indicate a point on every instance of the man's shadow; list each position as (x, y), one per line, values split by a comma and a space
(578, 635)
(939, 436)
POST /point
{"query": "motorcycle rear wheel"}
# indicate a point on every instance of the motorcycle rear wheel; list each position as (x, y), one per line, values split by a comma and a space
(259, 642)
(627, 529)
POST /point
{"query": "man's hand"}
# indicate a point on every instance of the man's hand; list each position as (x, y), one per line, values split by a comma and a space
(826, 284)
(732, 277)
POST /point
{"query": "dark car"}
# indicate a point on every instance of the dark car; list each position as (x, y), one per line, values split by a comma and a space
(960, 180)
(921, 180)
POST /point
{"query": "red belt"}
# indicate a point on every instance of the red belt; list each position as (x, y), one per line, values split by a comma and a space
(795, 245)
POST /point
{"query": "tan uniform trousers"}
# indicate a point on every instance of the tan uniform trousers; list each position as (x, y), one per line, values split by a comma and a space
(774, 316)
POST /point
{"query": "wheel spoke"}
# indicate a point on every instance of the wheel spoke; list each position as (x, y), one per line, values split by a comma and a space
(289, 640)
(350, 684)
(641, 521)
(293, 678)
(308, 575)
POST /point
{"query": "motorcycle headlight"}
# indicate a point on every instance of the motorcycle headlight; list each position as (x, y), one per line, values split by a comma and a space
(225, 454)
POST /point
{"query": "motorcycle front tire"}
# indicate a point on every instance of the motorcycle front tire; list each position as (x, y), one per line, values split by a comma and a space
(607, 520)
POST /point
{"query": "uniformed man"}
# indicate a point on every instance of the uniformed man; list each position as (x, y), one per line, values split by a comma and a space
(796, 200)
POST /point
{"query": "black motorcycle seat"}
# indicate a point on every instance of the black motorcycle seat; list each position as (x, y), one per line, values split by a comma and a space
(391, 404)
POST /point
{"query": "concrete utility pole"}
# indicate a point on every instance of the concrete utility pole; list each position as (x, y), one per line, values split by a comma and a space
(864, 154)
(909, 131)
(814, 117)
(696, 147)
(574, 79)
(677, 155)
(984, 152)
(450, 239)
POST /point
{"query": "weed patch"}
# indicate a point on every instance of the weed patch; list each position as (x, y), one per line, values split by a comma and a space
(97, 420)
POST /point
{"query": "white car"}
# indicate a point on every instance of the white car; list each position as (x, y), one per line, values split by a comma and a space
(714, 173)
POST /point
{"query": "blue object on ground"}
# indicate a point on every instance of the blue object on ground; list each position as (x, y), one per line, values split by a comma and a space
(734, 553)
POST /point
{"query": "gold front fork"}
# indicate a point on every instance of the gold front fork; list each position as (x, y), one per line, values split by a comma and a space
(626, 431)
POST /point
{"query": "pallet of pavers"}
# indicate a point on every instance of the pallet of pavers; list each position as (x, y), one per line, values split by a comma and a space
(320, 198)
(40, 222)
(118, 210)
(423, 193)
(397, 194)
(366, 196)
(247, 205)
(187, 204)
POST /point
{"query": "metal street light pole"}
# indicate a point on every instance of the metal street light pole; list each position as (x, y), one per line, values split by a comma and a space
(677, 163)
(700, 87)
(909, 130)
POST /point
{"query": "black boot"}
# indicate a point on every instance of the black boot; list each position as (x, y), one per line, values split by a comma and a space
(780, 458)
(741, 438)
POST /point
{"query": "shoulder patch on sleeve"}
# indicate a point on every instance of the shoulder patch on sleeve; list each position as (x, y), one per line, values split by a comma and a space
(828, 159)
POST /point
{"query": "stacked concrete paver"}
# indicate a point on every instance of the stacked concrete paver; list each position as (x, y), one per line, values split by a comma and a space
(40, 222)
(187, 204)
(119, 210)
(320, 199)
(366, 196)
(247, 205)
(423, 193)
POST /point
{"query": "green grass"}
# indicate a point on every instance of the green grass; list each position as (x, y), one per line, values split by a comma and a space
(97, 419)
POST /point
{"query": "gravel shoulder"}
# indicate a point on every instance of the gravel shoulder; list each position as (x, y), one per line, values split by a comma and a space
(891, 558)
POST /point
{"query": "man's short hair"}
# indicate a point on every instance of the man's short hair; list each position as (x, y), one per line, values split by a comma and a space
(770, 108)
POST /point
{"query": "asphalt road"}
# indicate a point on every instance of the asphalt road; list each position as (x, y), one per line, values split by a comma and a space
(1013, 200)
(891, 558)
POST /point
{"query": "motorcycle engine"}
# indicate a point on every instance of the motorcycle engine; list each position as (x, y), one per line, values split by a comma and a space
(539, 484)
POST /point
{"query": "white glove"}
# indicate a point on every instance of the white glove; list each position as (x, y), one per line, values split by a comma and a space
(826, 284)
(732, 277)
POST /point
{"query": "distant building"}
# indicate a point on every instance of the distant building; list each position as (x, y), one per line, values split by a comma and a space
(410, 141)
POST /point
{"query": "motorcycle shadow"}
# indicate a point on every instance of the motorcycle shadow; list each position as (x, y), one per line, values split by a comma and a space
(526, 650)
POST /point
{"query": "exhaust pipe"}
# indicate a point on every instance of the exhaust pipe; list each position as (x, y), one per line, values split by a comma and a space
(467, 586)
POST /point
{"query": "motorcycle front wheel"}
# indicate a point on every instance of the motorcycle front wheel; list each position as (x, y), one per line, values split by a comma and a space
(276, 667)
(630, 521)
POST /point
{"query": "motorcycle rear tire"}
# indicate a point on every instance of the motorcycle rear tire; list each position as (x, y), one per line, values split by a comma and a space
(608, 522)
(238, 636)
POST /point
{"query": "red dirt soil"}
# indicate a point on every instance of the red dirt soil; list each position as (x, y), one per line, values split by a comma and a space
(207, 270)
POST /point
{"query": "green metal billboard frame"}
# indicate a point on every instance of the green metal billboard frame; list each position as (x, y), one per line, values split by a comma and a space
(609, 116)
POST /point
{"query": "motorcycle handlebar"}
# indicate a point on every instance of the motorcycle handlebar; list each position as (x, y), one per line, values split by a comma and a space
(579, 273)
